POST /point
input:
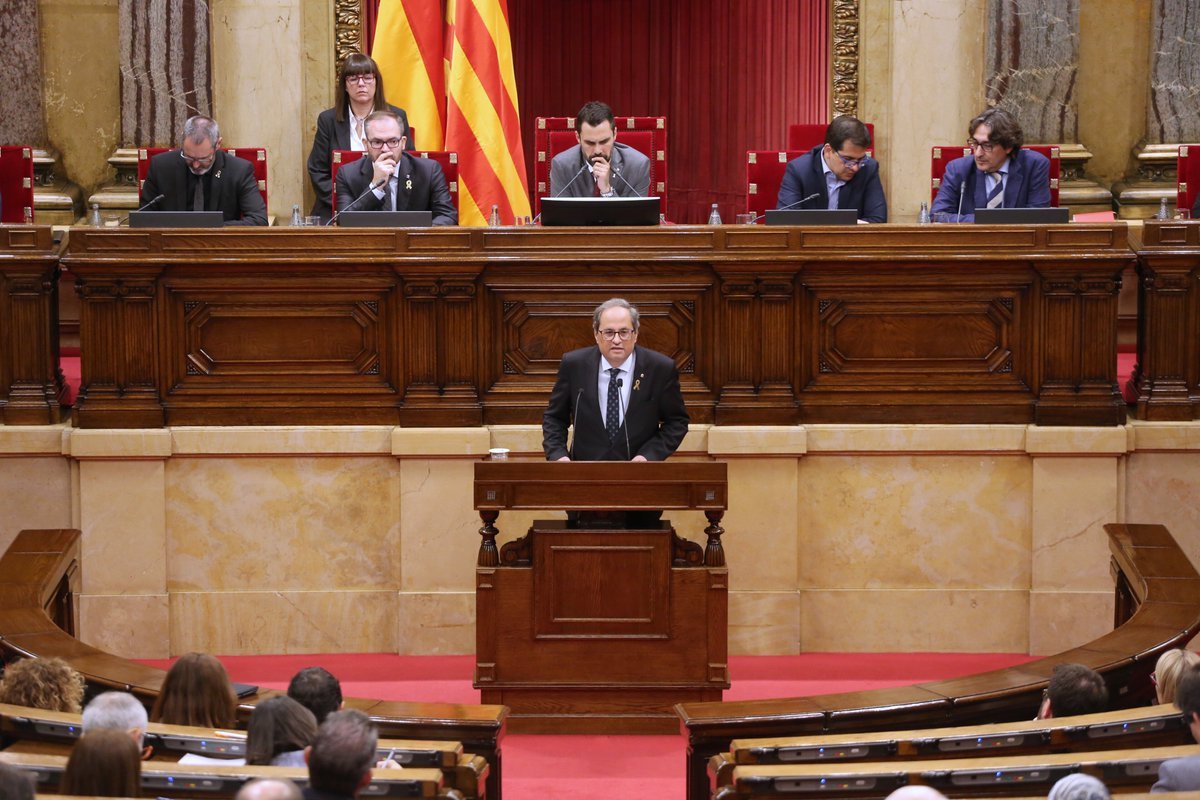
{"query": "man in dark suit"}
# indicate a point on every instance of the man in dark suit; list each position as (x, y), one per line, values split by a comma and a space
(388, 179)
(616, 170)
(998, 173)
(1196, 208)
(624, 400)
(837, 174)
(200, 176)
(1183, 774)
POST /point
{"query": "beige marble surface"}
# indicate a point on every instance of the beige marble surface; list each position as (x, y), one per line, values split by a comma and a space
(752, 440)
(122, 508)
(760, 546)
(1060, 620)
(283, 440)
(35, 492)
(441, 529)
(153, 443)
(131, 625)
(34, 439)
(1164, 488)
(436, 623)
(1072, 500)
(864, 439)
(764, 622)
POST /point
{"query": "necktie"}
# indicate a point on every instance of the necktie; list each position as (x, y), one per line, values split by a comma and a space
(612, 414)
(388, 196)
(198, 196)
(995, 198)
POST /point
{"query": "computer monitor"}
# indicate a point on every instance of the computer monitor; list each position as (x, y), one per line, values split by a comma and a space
(601, 210)
(811, 216)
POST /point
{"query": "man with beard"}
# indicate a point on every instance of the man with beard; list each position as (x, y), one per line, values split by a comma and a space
(612, 169)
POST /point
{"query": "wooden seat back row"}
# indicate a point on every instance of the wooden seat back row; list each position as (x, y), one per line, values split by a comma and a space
(40, 578)
(1157, 609)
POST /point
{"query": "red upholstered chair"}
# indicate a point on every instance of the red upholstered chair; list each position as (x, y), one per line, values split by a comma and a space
(257, 156)
(764, 175)
(447, 158)
(806, 136)
(941, 156)
(648, 135)
(16, 181)
(1189, 176)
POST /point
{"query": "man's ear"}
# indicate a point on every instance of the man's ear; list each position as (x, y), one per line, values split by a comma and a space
(364, 782)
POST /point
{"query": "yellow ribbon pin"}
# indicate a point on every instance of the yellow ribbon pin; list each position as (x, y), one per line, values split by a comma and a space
(408, 184)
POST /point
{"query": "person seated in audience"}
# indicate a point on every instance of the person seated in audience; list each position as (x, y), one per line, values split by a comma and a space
(15, 783)
(359, 91)
(340, 760)
(46, 683)
(200, 176)
(318, 690)
(999, 173)
(279, 731)
(837, 174)
(268, 789)
(103, 763)
(1183, 774)
(617, 170)
(388, 179)
(197, 692)
(1074, 689)
(1167, 670)
(916, 793)
(1079, 787)
(119, 711)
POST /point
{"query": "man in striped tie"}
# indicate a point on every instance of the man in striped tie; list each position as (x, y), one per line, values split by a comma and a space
(997, 174)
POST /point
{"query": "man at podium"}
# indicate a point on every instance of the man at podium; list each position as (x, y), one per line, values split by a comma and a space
(625, 400)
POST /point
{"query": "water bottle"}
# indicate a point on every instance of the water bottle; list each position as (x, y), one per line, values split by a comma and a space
(1162, 210)
(714, 216)
(94, 219)
(923, 217)
(28, 215)
(494, 217)
(297, 220)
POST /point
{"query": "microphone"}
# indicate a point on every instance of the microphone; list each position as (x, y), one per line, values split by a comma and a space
(559, 193)
(575, 433)
(790, 206)
(632, 188)
(153, 202)
(624, 417)
(962, 191)
(370, 188)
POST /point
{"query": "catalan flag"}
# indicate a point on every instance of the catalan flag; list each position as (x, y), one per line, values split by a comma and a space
(482, 118)
(408, 49)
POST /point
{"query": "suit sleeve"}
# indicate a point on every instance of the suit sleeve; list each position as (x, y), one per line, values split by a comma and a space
(444, 212)
(1039, 183)
(1196, 208)
(320, 163)
(557, 415)
(947, 200)
(635, 181)
(557, 178)
(150, 188)
(790, 191)
(250, 202)
(673, 420)
(1166, 779)
(874, 201)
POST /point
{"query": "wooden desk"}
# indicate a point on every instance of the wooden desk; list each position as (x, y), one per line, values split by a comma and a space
(31, 386)
(462, 327)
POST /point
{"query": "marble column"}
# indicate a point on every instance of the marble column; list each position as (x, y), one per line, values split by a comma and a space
(1031, 69)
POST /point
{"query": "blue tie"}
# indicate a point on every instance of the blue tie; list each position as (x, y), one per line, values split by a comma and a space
(612, 414)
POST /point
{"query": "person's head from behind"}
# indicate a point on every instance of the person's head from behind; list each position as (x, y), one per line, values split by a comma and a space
(15, 783)
(118, 711)
(318, 690)
(340, 759)
(268, 789)
(846, 143)
(278, 725)
(196, 692)
(198, 146)
(596, 131)
(1187, 697)
(1079, 787)
(1167, 671)
(103, 763)
(1074, 689)
(916, 792)
(46, 683)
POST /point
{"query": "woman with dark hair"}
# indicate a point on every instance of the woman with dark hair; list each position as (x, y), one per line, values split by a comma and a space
(279, 730)
(103, 763)
(196, 692)
(360, 87)
(46, 683)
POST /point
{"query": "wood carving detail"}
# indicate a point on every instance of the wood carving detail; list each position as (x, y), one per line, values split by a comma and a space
(845, 56)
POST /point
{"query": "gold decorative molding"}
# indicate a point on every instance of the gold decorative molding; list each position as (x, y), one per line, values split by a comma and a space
(845, 57)
(347, 28)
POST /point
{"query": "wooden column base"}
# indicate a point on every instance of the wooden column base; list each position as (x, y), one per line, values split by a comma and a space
(596, 709)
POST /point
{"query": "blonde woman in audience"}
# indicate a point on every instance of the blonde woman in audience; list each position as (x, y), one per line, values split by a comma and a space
(46, 683)
(197, 692)
(1168, 669)
(103, 763)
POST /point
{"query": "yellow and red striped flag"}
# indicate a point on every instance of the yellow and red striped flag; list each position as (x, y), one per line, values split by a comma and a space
(482, 117)
(408, 49)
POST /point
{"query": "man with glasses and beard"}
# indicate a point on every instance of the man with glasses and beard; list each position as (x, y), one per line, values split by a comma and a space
(837, 174)
(997, 174)
(200, 176)
(389, 179)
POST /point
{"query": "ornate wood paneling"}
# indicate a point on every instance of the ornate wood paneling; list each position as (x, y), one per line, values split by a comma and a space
(31, 387)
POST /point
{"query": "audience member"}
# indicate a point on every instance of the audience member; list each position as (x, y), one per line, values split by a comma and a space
(46, 683)
(1074, 689)
(916, 793)
(279, 731)
(1167, 671)
(268, 789)
(15, 783)
(1079, 787)
(318, 690)
(103, 763)
(119, 711)
(1183, 774)
(196, 692)
(339, 763)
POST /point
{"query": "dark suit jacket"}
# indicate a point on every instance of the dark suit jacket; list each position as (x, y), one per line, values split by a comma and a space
(1196, 208)
(234, 190)
(805, 176)
(1178, 775)
(1028, 185)
(331, 136)
(428, 192)
(655, 421)
(627, 162)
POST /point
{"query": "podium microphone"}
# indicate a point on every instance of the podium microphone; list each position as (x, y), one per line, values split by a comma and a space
(370, 188)
(790, 206)
(624, 418)
(575, 433)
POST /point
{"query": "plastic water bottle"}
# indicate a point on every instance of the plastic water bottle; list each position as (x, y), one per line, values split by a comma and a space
(714, 216)
(297, 220)
(494, 217)
(94, 219)
(1162, 210)
(28, 215)
(923, 217)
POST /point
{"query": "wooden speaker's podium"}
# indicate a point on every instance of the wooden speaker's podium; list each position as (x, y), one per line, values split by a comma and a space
(587, 630)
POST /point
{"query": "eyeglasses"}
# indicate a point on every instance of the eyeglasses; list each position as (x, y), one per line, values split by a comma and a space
(610, 334)
(360, 79)
(851, 163)
(986, 147)
(388, 144)
(208, 159)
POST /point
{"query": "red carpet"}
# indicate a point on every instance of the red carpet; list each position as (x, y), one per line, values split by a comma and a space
(609, 766)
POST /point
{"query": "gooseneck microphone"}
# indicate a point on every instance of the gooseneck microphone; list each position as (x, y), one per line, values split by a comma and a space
(575, 419)
(632, 188)
(962, 191)
(153, 202)
(624, 417)
(790, 206)
(370, 188)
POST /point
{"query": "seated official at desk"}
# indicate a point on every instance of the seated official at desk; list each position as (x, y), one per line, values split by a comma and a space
(616, 170)
(998, 174)
(837, 174)
(388, 179)
(200, 176)
(1196, 208)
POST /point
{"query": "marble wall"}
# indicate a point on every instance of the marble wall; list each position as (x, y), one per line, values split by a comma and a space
(21, 119)
(1173, 113)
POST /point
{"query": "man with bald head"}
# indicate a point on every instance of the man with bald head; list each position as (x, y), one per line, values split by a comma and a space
(268, 789)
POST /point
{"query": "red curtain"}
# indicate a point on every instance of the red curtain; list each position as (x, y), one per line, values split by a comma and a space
(728, 75)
